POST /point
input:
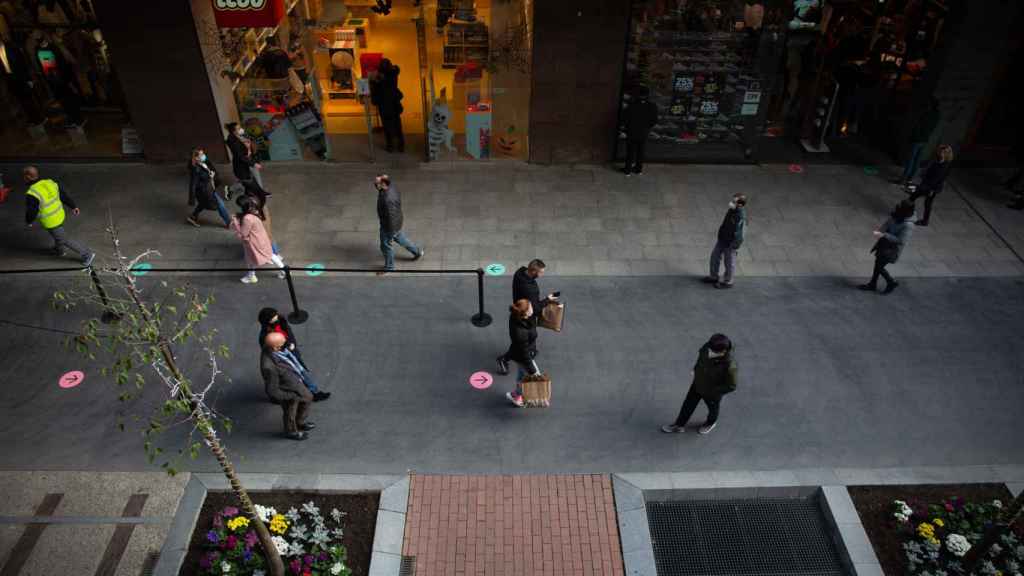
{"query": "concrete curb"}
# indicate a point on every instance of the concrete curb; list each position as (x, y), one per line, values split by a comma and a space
(387, 542)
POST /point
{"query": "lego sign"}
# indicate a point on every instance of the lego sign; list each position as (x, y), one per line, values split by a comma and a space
(248, 13)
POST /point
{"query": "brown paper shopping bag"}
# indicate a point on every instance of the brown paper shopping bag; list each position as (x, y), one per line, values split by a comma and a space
(537, 390)
(551, 316)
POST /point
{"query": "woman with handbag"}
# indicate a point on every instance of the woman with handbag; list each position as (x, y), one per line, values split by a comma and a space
(892, 238)
(522, 331)
(202, 189)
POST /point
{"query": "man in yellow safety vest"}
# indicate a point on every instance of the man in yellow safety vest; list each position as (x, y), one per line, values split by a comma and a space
(45, 202)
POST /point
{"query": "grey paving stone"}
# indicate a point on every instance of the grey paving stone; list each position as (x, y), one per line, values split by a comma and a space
(868, 569)
(627, 496)
(633, 530)
(395, 497)
(1015, 488)
(640, 563)
(648, 481)
(385, 564)
(389, 533)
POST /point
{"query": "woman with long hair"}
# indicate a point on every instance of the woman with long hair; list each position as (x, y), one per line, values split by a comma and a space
(202, 188)
(248, 226)
(933, 181)
(522, 331)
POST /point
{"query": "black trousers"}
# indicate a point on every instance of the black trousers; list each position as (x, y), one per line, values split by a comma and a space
(929, 197)
(635, 155)
(690, 404)
(393, 132)
(880, 271)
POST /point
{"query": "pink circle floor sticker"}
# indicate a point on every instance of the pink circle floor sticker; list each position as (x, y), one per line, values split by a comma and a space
(71, 379)
(481, 380)
(796, 169)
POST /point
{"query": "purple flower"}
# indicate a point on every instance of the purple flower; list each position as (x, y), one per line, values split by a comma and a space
(308, 560)
(212, 536)
(296, 566)
(247, 555)
(324, 557)
(230, 511)
(205, 562)
(251, 539)
(218, 522)
(232, 541)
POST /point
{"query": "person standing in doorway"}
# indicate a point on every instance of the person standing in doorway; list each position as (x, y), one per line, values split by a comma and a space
(525, 287)
(45, 201)
(522, 332)
(641, 116)
(243, 162)
(283, 384)
(388, 99)
(248, 227)
(730, 238)
(892, 238)
(202, 189)
(389, 211)
(933, 181)
(920, 133)
(714, 376)
(271, 321)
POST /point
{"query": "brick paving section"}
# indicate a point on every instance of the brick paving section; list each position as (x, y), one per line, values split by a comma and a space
(463, 525)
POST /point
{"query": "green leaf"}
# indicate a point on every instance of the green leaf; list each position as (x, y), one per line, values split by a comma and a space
(228, 425)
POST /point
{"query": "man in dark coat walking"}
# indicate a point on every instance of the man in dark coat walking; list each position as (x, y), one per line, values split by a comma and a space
(714, 376)
(525, 287)
(283, 384)
(641, 115)
(389, 211)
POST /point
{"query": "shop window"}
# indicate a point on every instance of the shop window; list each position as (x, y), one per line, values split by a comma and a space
(59, 97)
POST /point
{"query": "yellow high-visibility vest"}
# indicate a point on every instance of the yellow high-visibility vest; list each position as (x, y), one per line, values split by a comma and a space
(51, 209)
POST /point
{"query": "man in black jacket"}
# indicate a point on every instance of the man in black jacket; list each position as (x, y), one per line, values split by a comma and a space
(641, 116)
(389, 211)
(730, 238)
(714, 376)
(525, 287)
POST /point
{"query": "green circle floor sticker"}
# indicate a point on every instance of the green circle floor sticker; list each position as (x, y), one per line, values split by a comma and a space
(871, 170)
(495, 269)
(141, 269)
(315, 269)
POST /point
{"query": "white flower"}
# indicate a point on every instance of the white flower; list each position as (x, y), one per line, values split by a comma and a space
(336, 568)
(321, 536)
(298, 532)
(293, 515)
(265, 512)
(997, 503)
(283, 548)
(337, 514)
(311, 509)
(957, 544)
(225, 567)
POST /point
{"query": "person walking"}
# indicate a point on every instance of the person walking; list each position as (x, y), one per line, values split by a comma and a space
(44, 201)
(271, 321)
(248, 227)
(920, 133)
(389, 211)
(892, 238)
(933, 181)
(386, 96)
(730, 238)
(714, 375)
(202, 189)
(641, 116)
(243, 162)
(522, 333)
(283, 384)
(525, 287)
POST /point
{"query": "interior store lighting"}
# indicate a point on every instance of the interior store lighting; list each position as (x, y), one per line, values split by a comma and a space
(3, 58)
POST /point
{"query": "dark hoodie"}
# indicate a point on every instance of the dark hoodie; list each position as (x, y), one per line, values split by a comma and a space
(714, 377)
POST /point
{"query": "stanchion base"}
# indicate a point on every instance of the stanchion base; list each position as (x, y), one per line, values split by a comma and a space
(110, 317)
(298, 316)
(481, 320)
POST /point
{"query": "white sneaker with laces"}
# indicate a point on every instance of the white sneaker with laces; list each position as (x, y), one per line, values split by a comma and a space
(516, 401)
(250, 279)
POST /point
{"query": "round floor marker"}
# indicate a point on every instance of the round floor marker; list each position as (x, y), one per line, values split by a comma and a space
(871, 170)
(495, 269)
(481, 380)
(796, 169)
(315, 269)
(71, 379)
(141, 269)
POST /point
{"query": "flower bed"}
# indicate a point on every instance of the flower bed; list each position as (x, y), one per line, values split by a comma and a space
(317, 534)
(927, 529)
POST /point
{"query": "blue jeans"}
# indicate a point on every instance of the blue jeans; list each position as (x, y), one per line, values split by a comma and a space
(389, 253)
(222, 210)
(521, 373)
(910, 168)
(723, 251)
(307, 379)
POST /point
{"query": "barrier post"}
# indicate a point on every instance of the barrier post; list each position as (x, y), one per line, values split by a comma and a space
(297, 316)
(109, 316)
(481, 318)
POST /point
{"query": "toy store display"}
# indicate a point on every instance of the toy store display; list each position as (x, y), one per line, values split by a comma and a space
(478, 130)
(262, 107)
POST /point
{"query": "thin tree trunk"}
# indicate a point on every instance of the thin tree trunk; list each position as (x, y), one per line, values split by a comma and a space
(1010, 514)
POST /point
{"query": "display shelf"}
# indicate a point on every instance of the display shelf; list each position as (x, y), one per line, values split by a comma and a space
(245, 62)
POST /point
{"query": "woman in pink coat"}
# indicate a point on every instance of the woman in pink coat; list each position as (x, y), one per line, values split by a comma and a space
(255, 240)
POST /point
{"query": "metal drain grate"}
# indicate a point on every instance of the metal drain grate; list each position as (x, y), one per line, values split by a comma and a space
(758, 536)
(407, 567)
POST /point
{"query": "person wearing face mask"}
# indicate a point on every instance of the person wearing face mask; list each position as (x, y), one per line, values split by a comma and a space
(389, 211)
(522, 332)
(243, 163)
(730, 238)
(202, 189)
(714, 375)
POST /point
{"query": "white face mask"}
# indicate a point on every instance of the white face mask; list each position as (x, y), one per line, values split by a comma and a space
(732, 205)
(240, 132)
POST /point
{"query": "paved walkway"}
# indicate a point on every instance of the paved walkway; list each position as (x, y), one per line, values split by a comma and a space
(521, 525)
(586, 220)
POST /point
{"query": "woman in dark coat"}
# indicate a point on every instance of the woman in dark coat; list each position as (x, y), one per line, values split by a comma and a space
(522, 331)
(202, 188)
(892, 239)
(243, 163)
(933, 181)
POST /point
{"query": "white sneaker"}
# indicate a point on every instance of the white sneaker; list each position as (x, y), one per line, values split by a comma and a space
(706, 428)
(516, 401)
(250, 279)
(282, 275)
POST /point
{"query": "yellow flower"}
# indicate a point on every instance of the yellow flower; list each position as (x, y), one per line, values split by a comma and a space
(926, 530)
(938, 522)
(238, 522)
(278, 524)
(934, 541)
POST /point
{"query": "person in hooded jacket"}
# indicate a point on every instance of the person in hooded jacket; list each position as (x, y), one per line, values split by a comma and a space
(714, 376)
(641, 115)
(386, 96)
(271, 321)
(522, 333)
(892, 237)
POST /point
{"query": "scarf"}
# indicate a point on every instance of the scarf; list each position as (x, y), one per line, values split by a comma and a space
(288, 358)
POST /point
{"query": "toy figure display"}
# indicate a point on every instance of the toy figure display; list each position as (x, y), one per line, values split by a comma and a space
(437, 129)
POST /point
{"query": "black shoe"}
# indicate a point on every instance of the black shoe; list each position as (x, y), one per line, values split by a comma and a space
(920, 223)
(321, 396)
(306, 426)
(419, 255)
(723, 285)
(502, 366)
(628, 173)
(710, 279)
(890, 287)
(868, 287)
(296, 435)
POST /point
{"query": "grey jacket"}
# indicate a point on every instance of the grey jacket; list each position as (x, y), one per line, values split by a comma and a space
(895, 235)
(281, 382)
(389, 209)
